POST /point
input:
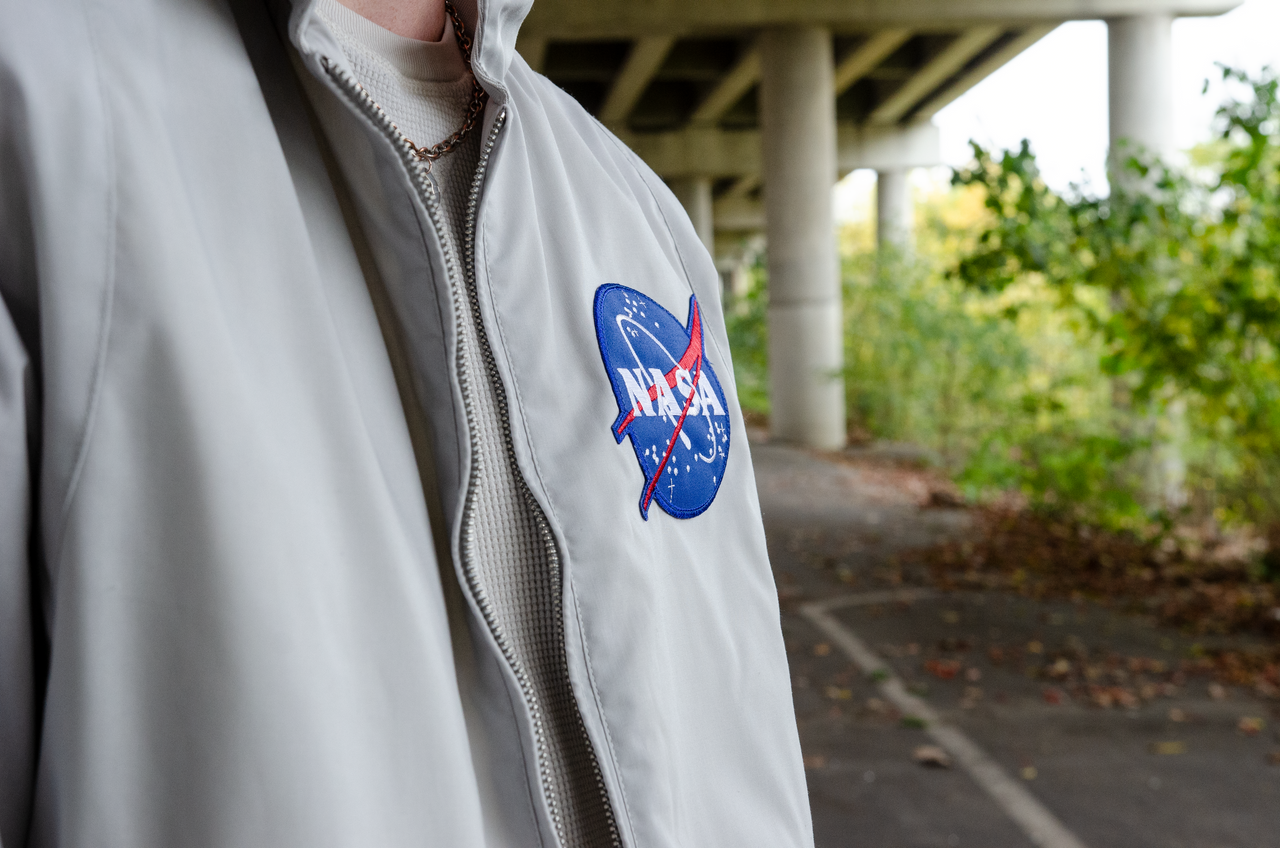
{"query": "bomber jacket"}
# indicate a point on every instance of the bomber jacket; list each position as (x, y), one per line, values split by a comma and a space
(236, 448)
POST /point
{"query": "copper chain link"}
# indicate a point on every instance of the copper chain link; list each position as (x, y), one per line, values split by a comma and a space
(479, 97)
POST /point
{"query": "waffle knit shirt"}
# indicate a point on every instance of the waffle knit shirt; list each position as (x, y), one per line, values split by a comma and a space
(425, 88)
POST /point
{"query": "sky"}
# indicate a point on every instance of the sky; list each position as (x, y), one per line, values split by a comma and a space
(1055, 95)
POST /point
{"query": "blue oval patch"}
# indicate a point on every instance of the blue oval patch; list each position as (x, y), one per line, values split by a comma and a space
(669, 400)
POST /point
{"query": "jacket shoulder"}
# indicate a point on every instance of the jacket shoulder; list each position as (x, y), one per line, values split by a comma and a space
(539, 100)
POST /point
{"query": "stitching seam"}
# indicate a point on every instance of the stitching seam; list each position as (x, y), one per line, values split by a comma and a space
(524, 761)
(482, 232)
(688, 279)
(108, 300)
(595, 694)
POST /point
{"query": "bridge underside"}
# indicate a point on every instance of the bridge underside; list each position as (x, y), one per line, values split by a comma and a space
(751, 109)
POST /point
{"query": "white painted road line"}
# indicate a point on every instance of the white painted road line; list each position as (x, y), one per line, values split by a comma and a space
(867, 599)
(1041, 826)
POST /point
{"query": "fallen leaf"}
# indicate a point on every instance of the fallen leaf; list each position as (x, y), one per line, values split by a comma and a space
(914, 722)
(1274, 758)
(821, 649)
(814, 761)
(933, 756)
(951, 617)
(1029, 773)
(1176, 714)
(942, 498)
(878, 707)
(1061, 668)
(1035, 648)
(943, 669)
(973, 675)
(1217, 691)
(1173, 746)
(1052, 695)
(837, 693)
(1197, 581)
(1251, 725)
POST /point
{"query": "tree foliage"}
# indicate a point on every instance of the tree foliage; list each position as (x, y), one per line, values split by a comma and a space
(1175, 272)
(1036, 338)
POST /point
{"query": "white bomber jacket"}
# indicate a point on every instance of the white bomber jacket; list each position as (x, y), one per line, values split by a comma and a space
(221, 618)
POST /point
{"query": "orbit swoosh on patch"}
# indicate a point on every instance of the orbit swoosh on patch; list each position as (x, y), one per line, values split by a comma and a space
(669, 401)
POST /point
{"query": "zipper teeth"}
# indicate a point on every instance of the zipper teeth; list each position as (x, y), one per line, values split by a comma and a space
(535, 509)
(427, 190)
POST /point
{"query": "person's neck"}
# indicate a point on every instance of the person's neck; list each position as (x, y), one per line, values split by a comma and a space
(418, 19)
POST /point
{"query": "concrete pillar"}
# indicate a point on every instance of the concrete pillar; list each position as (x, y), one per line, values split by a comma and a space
(1140, 90)
(894, 218)
(1140, 83)
(694, 194)
(798, 131)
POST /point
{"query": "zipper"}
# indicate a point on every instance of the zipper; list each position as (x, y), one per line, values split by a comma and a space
(428, 193)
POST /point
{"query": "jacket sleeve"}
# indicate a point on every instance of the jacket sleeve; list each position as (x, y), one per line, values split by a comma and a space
(17, 638)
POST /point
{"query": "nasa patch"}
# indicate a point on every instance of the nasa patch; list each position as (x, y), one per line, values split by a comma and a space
(669, 400)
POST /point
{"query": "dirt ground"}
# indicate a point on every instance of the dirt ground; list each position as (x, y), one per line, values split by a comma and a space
(1121, 726)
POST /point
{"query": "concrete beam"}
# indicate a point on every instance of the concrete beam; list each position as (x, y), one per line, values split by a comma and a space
(865, 57)
(742, 187)
(738, 214)
(736, 153)
(698, 151)
(744, 74)
(893, 151)
(575, 19)
(646, 56)
(983, 70)
(943, 66)
(886, 148)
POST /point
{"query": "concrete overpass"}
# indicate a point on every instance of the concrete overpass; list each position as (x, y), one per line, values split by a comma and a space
(751, 109)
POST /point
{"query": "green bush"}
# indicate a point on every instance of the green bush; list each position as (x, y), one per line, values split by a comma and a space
(1174, 275)
(1002, 385)
(746, 320)
(1055, 343)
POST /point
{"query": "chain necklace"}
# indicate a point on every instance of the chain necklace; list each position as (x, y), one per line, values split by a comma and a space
(479, 97)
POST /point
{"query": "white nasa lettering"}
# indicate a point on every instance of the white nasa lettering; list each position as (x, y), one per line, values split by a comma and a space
(709, 398)
(684, 382)
(636, 393)
(666, 403)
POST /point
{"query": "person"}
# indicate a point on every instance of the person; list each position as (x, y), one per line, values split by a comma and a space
(371, 469)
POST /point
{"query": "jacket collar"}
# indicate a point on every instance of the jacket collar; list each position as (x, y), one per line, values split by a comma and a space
(494, 24)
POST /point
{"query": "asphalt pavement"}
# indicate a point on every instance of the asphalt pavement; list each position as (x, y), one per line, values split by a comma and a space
(1093, 720)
